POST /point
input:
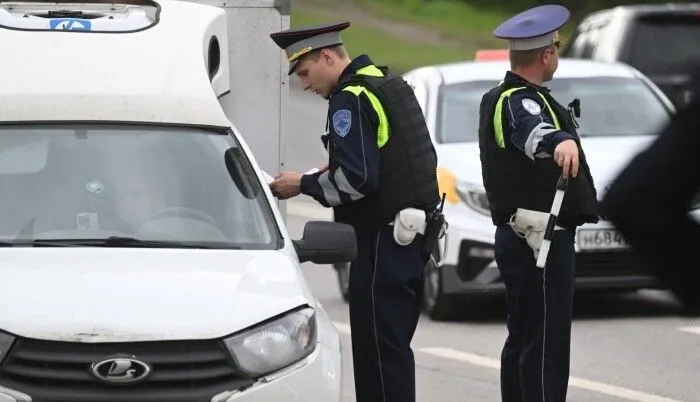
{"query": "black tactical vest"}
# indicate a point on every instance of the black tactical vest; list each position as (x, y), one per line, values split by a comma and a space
(407, 161)
(512, 180)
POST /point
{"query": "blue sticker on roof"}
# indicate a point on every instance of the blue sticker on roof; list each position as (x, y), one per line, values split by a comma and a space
(70, 24)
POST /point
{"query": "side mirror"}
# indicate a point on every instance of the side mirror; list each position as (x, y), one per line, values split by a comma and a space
(327, 243)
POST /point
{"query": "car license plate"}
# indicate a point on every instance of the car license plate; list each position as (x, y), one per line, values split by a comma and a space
(600, 239)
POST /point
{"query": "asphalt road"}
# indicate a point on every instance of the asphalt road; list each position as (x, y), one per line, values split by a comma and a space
(629, 347)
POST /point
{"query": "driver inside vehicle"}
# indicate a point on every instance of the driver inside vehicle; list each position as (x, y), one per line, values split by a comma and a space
(138, 197)
(150, 202)
(136, 187)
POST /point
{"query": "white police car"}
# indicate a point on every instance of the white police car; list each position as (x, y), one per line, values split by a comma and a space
(621, 111)
(143, 256)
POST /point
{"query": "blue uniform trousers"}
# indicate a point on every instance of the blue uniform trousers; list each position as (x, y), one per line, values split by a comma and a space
(385, 293)
(535, 358)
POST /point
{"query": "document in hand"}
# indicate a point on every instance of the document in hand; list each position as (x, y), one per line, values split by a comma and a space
(268, 179)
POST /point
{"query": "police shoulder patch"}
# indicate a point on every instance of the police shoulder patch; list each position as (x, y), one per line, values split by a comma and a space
(531, 106)
(342, 121)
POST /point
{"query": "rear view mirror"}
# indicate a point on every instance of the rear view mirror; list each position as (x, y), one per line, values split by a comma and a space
(242, 173)
(327, 243)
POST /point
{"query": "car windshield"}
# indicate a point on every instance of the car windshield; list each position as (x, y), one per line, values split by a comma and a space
(671, 33)
(134, 185)
(610, 106)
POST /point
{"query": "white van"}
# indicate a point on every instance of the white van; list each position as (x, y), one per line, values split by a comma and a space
(143, 257)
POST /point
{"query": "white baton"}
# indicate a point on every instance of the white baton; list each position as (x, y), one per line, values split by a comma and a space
(553, 213)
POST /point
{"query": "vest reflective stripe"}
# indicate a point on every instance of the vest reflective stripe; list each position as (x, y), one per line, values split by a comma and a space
(383, 130)
(498, 123)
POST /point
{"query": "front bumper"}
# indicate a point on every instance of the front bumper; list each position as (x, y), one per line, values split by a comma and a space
(307, 381)
(192, 371)
(489, 282)
(470, 268)
(314, 379)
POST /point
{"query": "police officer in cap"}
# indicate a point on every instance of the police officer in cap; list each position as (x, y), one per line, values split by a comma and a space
(381, 179)
(529, 145)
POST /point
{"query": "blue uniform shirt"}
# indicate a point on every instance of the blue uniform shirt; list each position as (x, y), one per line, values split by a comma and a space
(528, 123)
(354, 169)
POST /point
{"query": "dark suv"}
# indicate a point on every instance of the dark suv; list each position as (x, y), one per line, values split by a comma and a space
(660, 40)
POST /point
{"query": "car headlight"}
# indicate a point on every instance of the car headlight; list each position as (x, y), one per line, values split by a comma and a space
(474, 196)
(274, 345)
(6, 342)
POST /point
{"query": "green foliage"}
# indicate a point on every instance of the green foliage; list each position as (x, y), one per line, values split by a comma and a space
(468, 21)
(457, 27)
(578, 8)
(401, 54)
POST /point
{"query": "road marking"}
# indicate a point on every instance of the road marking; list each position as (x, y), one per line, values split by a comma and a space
(464, 357)
(495, 364)
(692, 330)
(309, 210)
(594, 386)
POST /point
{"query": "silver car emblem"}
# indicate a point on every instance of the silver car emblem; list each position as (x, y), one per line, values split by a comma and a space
(121, 369)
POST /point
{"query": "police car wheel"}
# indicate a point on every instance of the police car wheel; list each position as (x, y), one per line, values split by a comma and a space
(438, 305)
(343, 271)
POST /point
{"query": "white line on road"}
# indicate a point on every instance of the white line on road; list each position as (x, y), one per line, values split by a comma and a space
(464, 357)
(692, 330)
(594, 386)
(495, 364)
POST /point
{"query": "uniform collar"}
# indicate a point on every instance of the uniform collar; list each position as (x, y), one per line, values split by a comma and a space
(357, 63)
(513, 78)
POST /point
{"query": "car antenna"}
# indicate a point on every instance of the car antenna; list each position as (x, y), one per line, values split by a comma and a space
(442, 202)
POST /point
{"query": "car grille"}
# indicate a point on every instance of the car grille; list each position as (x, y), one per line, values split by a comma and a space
(60, 371)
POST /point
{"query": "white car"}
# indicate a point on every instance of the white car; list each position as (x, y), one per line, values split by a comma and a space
(143, 256)
(621, 111)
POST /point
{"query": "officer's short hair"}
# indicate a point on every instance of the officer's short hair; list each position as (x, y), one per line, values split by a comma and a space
(525, 58)
(339, 51)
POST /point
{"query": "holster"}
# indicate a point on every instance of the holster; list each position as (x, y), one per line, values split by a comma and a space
(531, 226)
(407, 224)
(412, 221)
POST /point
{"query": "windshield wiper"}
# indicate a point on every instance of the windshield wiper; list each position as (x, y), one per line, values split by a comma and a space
(14, 243)
(40, 243)
(122, 241)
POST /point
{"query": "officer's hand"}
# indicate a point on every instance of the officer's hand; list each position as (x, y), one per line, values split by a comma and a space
(566, 156)
(323, 168)
(286, 185)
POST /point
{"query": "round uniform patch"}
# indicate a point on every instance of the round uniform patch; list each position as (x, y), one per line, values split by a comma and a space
(532, 107)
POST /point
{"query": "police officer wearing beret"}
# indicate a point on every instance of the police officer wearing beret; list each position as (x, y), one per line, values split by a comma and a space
(381, 179)
(529, 145)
